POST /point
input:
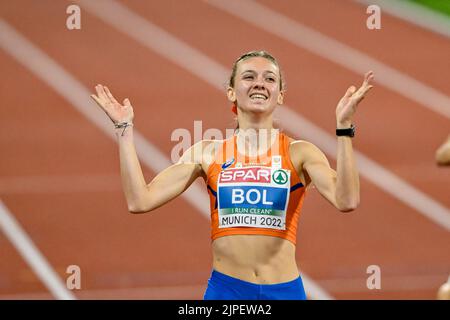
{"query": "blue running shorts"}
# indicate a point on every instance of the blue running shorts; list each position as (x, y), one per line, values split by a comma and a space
(224, 287)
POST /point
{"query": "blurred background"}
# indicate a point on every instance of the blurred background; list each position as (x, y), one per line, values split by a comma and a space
(65, 231)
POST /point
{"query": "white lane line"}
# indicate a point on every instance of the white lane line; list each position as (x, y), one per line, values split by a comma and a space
(414, 13)
(183, 55)
(31, 254)
(78, 96)
(335, 51)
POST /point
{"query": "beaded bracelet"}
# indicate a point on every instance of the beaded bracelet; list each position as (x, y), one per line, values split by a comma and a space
(123, 125)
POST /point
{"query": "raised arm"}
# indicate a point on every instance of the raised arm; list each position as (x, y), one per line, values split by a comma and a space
(168, 184)
(172, 181)
(341, 190)
(340, 187)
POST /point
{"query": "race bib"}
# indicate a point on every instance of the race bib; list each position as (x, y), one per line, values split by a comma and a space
(253, 197)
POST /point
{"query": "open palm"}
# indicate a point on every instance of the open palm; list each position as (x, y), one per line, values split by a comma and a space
(348, 103)
(116, 112)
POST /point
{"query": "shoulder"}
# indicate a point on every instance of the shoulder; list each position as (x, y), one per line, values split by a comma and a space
(296, 144)
(304, 147)
(302, 151)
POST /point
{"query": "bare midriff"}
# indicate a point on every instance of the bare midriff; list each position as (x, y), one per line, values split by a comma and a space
(258, 259)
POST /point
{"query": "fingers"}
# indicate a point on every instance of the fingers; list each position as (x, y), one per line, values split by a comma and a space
(350, 91)
(368, 78)
(109, 95)
(365, 87)
(97, 100)
(101, 93)
(127, 102)
(105, 95)
(104, 99)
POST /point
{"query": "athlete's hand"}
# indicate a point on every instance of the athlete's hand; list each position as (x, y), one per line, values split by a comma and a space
(347, 105)
(116, 112)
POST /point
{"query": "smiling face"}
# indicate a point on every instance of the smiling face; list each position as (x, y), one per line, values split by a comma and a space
(256, 86)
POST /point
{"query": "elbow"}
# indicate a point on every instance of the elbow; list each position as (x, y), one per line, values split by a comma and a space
(443, 159)
(348, 206)
(135, 209)
(140, 205)
(347, 209)
(443, 153)
(347, 201)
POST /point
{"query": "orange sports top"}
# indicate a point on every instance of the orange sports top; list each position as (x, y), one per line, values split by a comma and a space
(260, 195)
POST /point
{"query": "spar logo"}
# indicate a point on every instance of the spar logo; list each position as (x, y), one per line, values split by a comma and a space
(255, 174)
(253, 191)
(280, 177)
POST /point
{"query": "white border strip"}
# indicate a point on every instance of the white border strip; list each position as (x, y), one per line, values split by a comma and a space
(78, 96)
(31, 254)
(414, 13)
(335, 51)
(190, 59)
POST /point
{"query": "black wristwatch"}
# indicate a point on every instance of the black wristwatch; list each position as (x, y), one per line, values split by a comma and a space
(349, 132)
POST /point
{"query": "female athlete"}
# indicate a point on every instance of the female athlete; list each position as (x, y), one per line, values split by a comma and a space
(256, 192)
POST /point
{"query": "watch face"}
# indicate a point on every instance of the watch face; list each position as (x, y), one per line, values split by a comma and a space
(352, 134)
